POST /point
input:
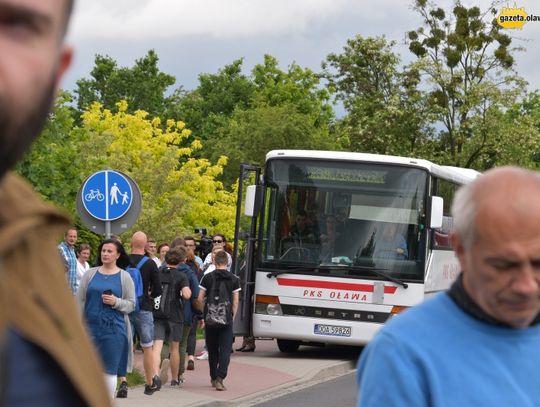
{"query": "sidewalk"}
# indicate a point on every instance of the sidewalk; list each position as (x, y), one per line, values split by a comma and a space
(251, 376)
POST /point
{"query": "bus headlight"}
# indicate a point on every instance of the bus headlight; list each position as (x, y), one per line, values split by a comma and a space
(274, 309)
(268, 305)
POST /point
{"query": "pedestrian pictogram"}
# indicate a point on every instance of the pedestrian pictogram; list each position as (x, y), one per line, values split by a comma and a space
(107, 195)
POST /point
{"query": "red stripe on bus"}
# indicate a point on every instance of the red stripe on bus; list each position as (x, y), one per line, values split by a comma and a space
(293, 282)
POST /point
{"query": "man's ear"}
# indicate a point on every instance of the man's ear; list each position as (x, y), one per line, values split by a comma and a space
(64, 62)
(459, 248)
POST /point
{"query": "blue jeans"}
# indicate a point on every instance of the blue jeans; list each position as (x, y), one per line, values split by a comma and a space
(143, 324)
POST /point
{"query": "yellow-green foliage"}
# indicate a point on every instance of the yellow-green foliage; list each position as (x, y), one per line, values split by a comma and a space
(179, 192)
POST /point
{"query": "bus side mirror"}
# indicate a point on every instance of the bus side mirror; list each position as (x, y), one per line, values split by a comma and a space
(253, 200)
(436, 220)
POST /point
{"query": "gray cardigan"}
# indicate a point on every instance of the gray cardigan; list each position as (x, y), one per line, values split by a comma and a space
(125, 305)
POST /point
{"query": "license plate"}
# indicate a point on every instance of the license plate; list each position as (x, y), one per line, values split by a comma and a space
(332, 330)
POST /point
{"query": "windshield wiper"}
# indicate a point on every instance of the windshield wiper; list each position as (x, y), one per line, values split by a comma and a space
(380, 273)
(291, 270)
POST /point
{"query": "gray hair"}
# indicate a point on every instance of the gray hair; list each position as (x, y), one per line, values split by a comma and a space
(464, 211)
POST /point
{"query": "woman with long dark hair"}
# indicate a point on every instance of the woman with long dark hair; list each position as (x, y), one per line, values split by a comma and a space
(106, 296)
(219, 243)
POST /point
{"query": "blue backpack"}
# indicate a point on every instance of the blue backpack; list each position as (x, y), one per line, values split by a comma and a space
(135, 273)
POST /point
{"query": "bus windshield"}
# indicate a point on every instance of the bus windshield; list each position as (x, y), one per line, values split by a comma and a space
(344, 218)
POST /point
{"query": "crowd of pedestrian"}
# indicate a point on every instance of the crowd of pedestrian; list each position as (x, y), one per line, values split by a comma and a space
(151, 297)
(475, 345)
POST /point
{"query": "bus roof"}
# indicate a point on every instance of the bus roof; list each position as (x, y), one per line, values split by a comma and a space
(455, 174)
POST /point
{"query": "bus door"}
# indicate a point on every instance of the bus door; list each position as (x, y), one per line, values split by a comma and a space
(245, 234)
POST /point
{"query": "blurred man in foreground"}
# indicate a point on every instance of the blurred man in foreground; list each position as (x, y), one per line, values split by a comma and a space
(477, 344)
(45, 355)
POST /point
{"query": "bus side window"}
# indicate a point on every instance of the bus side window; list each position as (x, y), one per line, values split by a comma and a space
(446, 190)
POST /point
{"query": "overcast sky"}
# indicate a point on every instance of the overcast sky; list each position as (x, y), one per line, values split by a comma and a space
(201, 36)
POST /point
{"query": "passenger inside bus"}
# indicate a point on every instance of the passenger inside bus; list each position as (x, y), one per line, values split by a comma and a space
(302, 242)
(339, 237)
(328, 238)
(301, 229)
(314, 218)
(390, 244)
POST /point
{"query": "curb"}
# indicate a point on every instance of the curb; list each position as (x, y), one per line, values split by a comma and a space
(336, 370)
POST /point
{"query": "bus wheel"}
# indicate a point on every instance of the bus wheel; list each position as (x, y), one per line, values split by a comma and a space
(288, 346)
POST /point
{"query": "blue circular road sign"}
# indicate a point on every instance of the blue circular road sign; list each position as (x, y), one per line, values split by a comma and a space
(107, 195)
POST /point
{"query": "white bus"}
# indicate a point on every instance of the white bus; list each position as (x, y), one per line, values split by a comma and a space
(330, 245)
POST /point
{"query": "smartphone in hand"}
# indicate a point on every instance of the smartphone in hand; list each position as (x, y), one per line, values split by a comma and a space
(107, 292)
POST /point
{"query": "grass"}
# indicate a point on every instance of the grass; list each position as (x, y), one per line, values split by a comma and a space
(200, 333)
(135, 378)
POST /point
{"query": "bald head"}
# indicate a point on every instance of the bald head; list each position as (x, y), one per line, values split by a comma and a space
(507, 180)
(138, 242)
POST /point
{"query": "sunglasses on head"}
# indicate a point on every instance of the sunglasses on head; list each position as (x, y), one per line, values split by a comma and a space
(217, 241)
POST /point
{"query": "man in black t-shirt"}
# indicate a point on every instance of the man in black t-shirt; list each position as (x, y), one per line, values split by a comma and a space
(219, 338)
(168, 311)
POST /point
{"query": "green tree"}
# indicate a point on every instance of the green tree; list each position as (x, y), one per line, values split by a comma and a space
(386, 112)
(239, 115)
(53, 164)
(207, 108)
(297, 87)
(467, 61)
(516, 131)
(143, 86)
(179, 191)
(250, 134)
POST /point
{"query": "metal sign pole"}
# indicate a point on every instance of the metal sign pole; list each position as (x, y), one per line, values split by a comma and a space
(107, 229)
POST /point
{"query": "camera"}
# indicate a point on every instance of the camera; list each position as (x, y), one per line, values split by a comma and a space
(201, 231)
(204, 245)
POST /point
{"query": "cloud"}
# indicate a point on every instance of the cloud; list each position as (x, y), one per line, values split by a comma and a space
(203, 35)
(125, 19)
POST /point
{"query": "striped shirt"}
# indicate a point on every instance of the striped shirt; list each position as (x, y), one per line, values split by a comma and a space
(70, 263)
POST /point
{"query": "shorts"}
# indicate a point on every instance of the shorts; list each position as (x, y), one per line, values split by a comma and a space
(167, 330)
(143, 323)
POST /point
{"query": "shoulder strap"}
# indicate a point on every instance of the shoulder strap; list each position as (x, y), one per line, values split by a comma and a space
(141, 262)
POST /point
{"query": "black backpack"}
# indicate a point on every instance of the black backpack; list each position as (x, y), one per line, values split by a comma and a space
(218, 302)
(166, 302)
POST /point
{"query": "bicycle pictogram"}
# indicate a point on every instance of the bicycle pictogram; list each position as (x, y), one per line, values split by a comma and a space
(94, 194)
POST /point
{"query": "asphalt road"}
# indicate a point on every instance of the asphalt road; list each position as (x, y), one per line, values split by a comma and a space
(340, 391)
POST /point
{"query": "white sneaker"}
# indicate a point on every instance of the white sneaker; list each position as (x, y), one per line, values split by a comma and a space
(203, 356)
